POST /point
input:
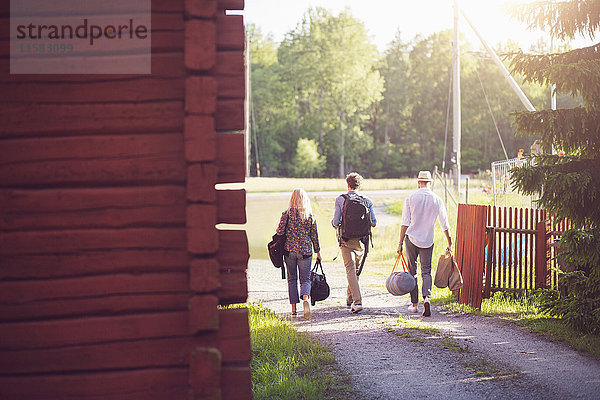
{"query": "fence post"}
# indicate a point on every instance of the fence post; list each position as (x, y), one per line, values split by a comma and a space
(541, 255)
(491, 240)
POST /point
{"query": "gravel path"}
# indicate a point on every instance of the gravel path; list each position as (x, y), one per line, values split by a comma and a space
(475, 358)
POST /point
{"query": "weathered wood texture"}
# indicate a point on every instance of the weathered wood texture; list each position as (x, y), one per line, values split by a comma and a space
(111, 265)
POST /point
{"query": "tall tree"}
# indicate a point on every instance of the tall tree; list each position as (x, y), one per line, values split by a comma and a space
(331, 60)
(567, 183)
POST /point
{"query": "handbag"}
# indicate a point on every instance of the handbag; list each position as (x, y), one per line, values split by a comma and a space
(276, 248)
(447, 273)
(319, 288)
(401, 282)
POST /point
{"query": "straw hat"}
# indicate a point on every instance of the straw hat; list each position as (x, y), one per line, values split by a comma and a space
(424, 176)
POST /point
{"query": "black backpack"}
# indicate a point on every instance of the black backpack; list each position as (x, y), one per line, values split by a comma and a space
(356, 223)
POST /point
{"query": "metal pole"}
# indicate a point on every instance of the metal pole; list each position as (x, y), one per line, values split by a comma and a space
(456, 114)
(498, 62)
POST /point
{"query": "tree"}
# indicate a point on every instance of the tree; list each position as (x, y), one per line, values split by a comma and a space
(307, 161)
(330, 61)
(567, 183)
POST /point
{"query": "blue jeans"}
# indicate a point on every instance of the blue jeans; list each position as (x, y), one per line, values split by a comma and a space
(296, 265)
(424, 255)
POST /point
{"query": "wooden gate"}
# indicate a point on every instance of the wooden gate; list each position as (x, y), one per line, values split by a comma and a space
(505, 248)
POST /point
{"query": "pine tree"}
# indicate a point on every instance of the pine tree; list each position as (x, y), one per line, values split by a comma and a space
(567, 182)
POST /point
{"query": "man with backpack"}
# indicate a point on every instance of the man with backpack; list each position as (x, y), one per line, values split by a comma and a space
(353, 217)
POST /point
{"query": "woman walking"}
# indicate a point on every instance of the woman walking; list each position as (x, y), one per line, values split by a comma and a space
(300, 226)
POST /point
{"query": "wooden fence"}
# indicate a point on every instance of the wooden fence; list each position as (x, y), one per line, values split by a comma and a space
(505, 248)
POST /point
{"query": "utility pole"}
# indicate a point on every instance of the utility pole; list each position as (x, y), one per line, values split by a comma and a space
(247, 126)
(456, 129)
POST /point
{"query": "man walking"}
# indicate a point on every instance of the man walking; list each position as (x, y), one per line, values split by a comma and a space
(420, 211)
(353, 217)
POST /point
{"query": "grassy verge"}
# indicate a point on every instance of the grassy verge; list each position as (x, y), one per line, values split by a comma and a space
(287, 364)
(523, 310)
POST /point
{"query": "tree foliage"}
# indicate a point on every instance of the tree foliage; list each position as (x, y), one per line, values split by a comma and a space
(567, 183)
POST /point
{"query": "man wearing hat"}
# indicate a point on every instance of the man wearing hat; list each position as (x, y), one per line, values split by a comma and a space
(420, 211)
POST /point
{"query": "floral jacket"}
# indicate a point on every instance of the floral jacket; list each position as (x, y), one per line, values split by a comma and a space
(302, 235)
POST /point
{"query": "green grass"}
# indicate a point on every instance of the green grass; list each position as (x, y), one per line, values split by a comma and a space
(290, 365)
(314, 185)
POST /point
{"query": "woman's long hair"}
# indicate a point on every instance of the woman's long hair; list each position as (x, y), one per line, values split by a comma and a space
(300, 201)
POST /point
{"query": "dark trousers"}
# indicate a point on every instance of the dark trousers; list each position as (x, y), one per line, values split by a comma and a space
(412, 252)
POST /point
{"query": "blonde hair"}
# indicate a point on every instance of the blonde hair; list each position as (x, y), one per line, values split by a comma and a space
(300, 201)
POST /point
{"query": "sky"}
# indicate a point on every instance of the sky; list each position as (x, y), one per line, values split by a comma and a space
(383, 18)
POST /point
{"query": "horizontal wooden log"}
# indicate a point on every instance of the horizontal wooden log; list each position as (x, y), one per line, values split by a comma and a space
(200, 139)
(200, 95)
(202, 240)
(22, 292)
(22, 151)
(200, 48)
(230, 158)
(229, 115)
(242, 390)
(140, 89)
(230, 32)
(164, 65)
(95, 306)
(231, 87)
(203, 216)
(231, 206)
(114, 7)
(233, 251)
(146, 384)
(231, 4)
(53, 265)
(70, 241)
(201, 8)
(92, 330)
(43, 120)
(229, 63)
(158, 353)
(234, 287)
(201, 181)
(92, 208)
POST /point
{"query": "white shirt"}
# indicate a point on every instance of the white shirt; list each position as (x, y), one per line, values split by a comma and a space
(420, 211)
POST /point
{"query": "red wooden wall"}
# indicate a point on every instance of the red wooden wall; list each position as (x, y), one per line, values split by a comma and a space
(111, 267)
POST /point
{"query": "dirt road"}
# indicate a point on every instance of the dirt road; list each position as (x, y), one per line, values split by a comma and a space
(474, 357)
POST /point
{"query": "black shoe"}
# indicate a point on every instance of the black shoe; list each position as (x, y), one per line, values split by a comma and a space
(426, 309)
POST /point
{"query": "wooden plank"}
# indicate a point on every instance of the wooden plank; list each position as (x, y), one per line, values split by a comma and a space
(231, 4)
(133, 90)
(92, 330)
(43, 120)
(231, 206)
(231, 87)
(92, 208)
(156, 353)
(234, 287)
(242, 390)
(146, 384)
(204, 275)
(230, 32)
(233, 251)
(230, 115)
(53, 265)
(230, 158)
(200, 48)
(95, 306)
(20, 292)
(164, 65)
(69, 241)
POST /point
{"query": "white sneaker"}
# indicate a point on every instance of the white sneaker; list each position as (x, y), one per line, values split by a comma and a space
(306, 309)
(412, 309)
(356, 308)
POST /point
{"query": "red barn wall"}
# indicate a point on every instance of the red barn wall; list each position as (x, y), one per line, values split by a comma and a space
(111, 268)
